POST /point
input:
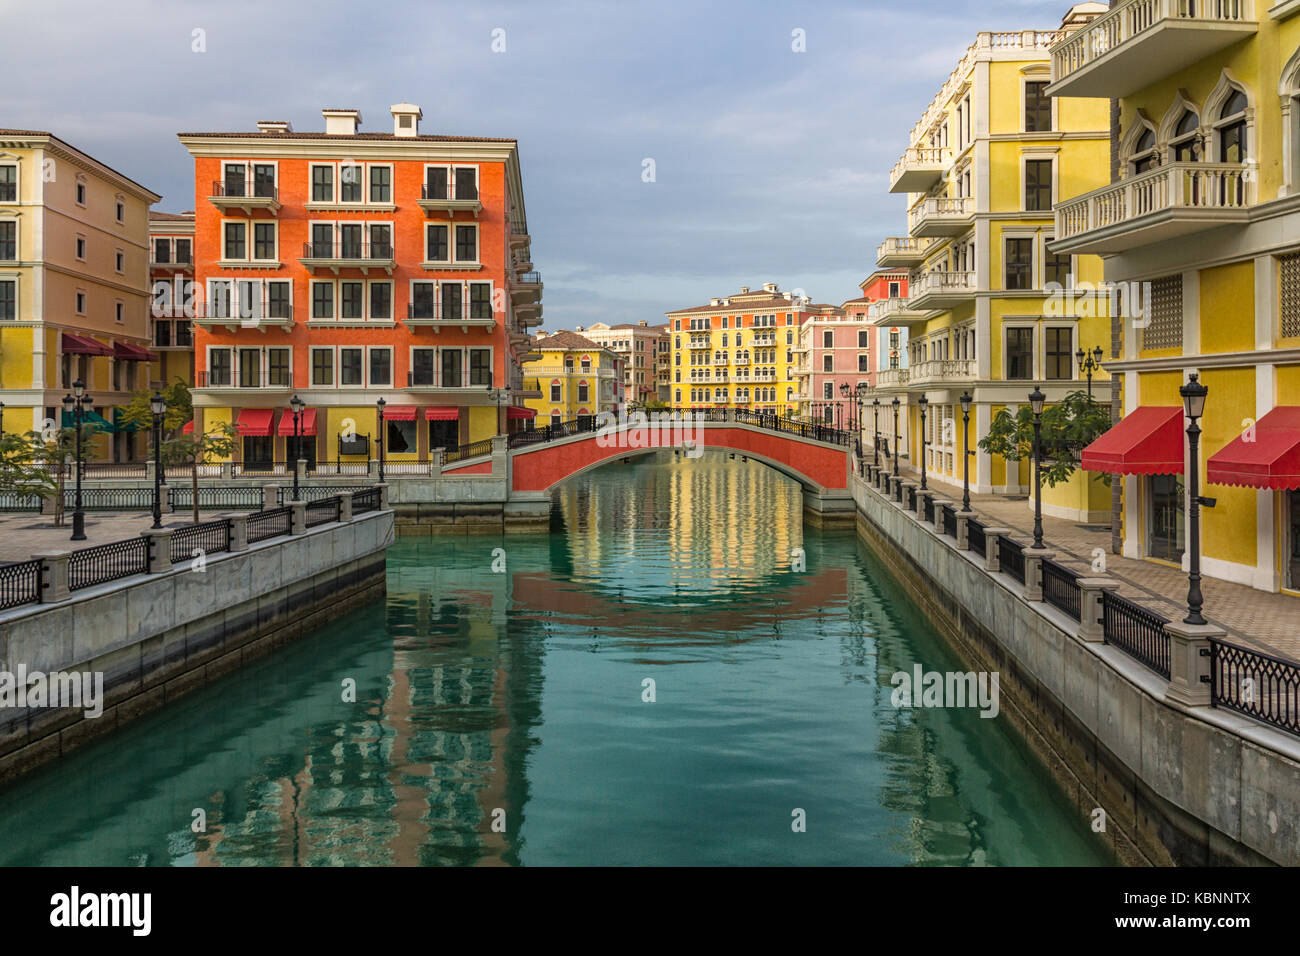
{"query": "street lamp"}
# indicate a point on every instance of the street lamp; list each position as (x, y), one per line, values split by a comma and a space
(2, 419)
(860, 392)
(157, 405)
(297, 405)
(924, 403)
(1036, 400)
(76, 403)
(875, 425)
(1193, 394)
(897, 437)
(965, 451)
(380, 405)
(1089, 362)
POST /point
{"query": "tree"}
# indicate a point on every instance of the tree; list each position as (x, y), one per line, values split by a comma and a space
(21, 469)
(180, 409)
(1067, 428)
(57, 448)
(198, 449)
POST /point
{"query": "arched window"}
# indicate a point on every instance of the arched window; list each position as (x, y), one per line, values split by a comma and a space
(1231, 129)
(1185, 146)
(1144, 152)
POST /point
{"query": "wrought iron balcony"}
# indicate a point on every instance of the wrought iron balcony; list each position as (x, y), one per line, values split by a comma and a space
(437, 313)
(458, 196)
(237, 379)
(260, 315)
(245, 195)
(348, 254)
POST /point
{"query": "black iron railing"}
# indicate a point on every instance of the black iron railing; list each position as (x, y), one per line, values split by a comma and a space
(1011, 558)
(1061, 589)
(323, 511)
(1258, 685)
(243, 189)
(545, 433)
(211, 537)
(1136, 631)
(346, 251)
(107, 562)
(949, 521)
(317, 492)
(20, 583)
(363, 501)
(927, 509)
(475, 449)
(269, 524)
(975, 537)
(230, 497)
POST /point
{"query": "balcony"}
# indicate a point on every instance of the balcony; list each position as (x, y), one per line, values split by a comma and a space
(234, 380)
(245, 196)
(439, 315)
(897, 311)
(764, 377)
(526, 288)
(941, 216)
(254, 315)
(901, 252)
(741, 360)
(427, 379)
(892, 378)
(442, 197)
(170, 265)
(919, 169)
(1139, 42)
(528, 313)
(940, 290)
(940, 372)
(720, 360)
(1174, 200)
(348, 255)
(699, 343)
(765, 338)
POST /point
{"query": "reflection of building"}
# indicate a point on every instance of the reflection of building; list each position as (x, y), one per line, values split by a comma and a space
(577, 378)
(171, 269)
(981, 171)
(74, 293)
(1209, 257)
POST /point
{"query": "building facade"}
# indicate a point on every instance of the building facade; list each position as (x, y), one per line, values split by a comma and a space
(1199, 227)
(74, 287)
(637, 345)
(575, 378)
(345, 267)
(171, 270)
(983, 168)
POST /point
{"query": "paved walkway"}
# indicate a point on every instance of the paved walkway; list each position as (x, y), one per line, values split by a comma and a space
(25, 534)
(1259, 619)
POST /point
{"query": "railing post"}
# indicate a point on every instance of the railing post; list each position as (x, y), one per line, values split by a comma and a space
(270, 497)
(149, 470)
(345, 506)
(1091, 592)
(238, 530)
(300, 468)
(1034, 559)
(227, 470)
(907, 496)
(963, 531)
(297, 517)
(54, 576)
(383, 496)
(937, 504)
(372, 468)
(992, 548)
(47, 503)
(160, 549)
(1189, 662)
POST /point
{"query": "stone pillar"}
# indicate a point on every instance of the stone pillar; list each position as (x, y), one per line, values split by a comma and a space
(227, 470)
(238, 530)
(907, 495)
(992, 536)
(896, 487)
(436, 460)
(1034, 559)
(270, 497)
(938, 513)
(160, 549)
(149, 470)
(54, 576)
(1090, 597)
(47, 504)
(298, 517)
(383, 497)
(963, 531)
(300, 467)
(372, 469)
(345, 506)
(1189, 662)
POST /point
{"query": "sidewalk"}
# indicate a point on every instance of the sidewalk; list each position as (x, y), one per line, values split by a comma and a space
(1267, 622)
(25, 534)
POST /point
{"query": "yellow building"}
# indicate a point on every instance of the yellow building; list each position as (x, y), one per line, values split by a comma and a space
(742, 350)
(577, 379)
(1200, 225)
(986, 309)
(171, 268)
(74, 286)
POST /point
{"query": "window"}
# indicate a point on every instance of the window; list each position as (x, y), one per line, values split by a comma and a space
(381, 183)
(480, 300)
(235, 175)
(1038, 107)
(81, 194)
(322, 300)
(322, 366)
(451, 368)
(435, 249)
(279, 299)
(435, 182)
(1019, 264)
(828, 390)
(381, 241)
(1038, 184)
(350, 240)
(1144, 152)
(895, 289)
(381, 300)
(1020, 353)
(350, 300)
(828, 339)
(322, 184)
(466, 182)
(121, 211)
(9, 241)
(828, 363)
(422, 366)
(1232, 129)
(1058, 356)
(236, 245)
(264, 180)
(219, 367)
(555, 392)
(862, 364)
(162, 333)
(1164, 329)
(467, 244)
(81, 247)
(119, 311)
(250, 368)
(401, 437)
(277, 367)
(8, 298)
(81, 303)
(1056, 268)
(184, 333)
(452, 305)
(381, 366)
(864, 339)
(322, 240)
(119, 260)
(350, 372)
(9, 183)
(1185, 147)
(480, 366)
(350, 183)
(264, 240)
(162, 251)
(422, 300)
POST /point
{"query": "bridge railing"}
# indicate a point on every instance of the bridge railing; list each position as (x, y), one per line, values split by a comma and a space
(741, 416)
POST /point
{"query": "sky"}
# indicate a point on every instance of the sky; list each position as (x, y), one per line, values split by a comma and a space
(770, 164)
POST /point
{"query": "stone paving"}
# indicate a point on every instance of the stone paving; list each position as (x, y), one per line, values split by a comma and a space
(1259, 619)
(25, 534)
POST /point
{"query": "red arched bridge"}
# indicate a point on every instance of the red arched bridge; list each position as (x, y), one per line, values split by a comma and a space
(816, 456)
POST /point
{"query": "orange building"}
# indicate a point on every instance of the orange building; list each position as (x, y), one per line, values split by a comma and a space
(345, 267)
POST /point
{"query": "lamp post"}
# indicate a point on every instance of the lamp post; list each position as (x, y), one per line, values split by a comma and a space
(76, 403)
(844, 393)
(965, 451)
(380, 406)
(896, 436)
(2, 419)
(1089, 362)
(297, 404)
(1036, 400)
(158, 406)
(875, 425)
(1193, 394)
(861, 393)
(923, 403)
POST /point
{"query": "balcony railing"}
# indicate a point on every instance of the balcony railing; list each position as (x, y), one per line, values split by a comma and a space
(424, 312)
(892, 377)
(919, 168)
(1138, 42)
(941, 216)
(1173, 200)
(458, 190)
(928, 290)
(247, 194)
(942, 370)
(246, 315)
(348, 251)
(901, 251)
(894, 311)
(235, 378)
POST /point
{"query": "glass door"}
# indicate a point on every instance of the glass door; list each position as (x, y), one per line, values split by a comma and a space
(1293, 540)
(1166, 526)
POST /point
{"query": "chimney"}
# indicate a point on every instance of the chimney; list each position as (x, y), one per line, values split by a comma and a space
(744, 289)
(715, 302)
(577, 328)
(341, 122)
(769, 287)
(275, 126)
(643, 323)
(406, 119)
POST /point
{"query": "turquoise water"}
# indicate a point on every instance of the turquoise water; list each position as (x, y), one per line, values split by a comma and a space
(502, 716)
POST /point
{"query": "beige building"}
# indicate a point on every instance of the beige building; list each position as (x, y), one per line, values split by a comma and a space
(74, 285)
(640, 347)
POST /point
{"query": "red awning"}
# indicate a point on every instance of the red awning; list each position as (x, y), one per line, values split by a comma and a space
(254, 422)
(189, 428)
(442, 414)
(306, 422)
(1147, 441)
(131, 353)
(1270, 459)
(81, 345)
(518, 411)
(400, 413)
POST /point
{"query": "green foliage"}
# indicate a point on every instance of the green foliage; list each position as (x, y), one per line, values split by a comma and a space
(198, 449)
(22, 470)
(1068, 427)
(180, 409)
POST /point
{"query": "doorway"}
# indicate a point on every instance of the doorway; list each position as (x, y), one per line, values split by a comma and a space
(1166, 526)
(1293, 540)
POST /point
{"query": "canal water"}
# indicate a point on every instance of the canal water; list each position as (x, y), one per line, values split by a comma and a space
(679, 673)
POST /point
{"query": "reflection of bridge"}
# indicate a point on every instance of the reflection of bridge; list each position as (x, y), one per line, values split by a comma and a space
(813, 455)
